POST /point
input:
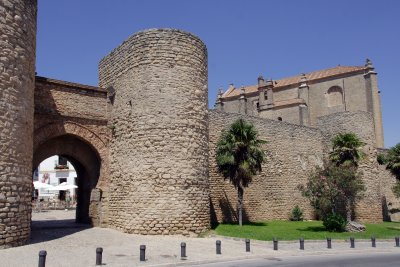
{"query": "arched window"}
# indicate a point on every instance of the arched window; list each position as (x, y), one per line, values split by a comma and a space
(335, 96)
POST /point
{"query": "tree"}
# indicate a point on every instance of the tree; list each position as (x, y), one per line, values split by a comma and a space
(330, 187)
(239, 157)
(339, 183)
(346, 149)
(347, 153)
(393, 160)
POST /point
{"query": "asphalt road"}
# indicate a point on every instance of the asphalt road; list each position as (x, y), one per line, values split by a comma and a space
(353, 260)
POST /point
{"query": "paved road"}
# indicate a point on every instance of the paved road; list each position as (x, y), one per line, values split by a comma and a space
(69, 244)
(353, 260)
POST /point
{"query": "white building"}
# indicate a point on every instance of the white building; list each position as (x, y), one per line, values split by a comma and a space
(55, 170)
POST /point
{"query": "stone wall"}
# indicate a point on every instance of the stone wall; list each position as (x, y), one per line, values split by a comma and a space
(71, 120)
(354, 96)
(390, 203)
(292, 152)
(369, 208)
(17, 63)
(159, 149)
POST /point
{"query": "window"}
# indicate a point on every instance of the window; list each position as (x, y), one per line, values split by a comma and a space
(335, 96)
(62, 160)
(279, 118)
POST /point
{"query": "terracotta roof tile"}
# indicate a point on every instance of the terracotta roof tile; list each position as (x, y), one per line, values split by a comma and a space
(315, 75)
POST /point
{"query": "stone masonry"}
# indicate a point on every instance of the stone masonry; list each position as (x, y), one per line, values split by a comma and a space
(159, 149)
(143, 143)
(17, 81)
(292, 151)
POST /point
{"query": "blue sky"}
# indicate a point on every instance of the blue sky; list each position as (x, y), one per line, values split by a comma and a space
(244, 39)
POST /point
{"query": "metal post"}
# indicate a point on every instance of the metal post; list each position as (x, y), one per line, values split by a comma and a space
(302, 243)
(183, 250)
(373, 241)
(42, 258)
(99, 252)
(275, 243)
(352, 242)
(397, 241)
(218, 246)
(247, 245)
(329, 242)
(142, 252)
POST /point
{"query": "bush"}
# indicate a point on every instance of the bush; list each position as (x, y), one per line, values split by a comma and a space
(381, 158)
(334, 222)
(297, 214)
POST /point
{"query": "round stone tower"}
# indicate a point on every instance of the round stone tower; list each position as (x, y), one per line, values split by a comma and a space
(17, 82)
(159, 150)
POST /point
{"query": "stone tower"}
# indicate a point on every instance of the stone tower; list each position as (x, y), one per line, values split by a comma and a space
(17, 61)
(159, 150)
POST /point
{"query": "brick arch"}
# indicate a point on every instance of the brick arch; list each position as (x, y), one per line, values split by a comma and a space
(58, 131)
(53, 130)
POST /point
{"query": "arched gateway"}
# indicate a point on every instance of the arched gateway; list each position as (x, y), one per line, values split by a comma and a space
(83, 148)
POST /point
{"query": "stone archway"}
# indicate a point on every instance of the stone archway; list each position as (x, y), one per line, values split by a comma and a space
(85, 150)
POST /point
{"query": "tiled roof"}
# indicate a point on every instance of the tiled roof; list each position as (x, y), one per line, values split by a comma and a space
(312, 76)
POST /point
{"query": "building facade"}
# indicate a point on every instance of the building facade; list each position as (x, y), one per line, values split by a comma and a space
(54, 171)
(302, 99)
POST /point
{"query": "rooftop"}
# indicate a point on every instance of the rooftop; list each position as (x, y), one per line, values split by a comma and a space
(295, 80)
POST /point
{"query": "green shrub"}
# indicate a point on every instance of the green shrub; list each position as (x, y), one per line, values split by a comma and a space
(334, 222)
(381, 158)
(297, 214)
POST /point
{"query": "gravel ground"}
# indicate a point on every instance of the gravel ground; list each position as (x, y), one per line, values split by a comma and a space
(70, 244)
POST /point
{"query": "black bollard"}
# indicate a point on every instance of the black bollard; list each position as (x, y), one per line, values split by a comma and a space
(142, 252)
(99, 252)
(42, 258)
(183, 250)
(218, 246)
(247, 245)
(329, 242)
(302, 243)
(352, 242)
(275, 244)
(397, 241)
(373, 241)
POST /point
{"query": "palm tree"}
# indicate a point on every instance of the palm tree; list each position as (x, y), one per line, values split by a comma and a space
(346, 149)
(239, 156)
(393, 160)
(347, 153)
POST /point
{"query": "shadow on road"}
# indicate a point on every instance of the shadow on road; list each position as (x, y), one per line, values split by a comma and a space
(47, 230)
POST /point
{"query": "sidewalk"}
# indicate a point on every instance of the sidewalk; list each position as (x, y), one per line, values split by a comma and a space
(68, 244)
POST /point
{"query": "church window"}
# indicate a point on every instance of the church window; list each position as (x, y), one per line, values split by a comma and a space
(335, 96)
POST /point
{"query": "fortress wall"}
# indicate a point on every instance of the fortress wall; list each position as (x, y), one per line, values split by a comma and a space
(292, 152)
(159, 151)
(368, 209)
(64, 108)
(59, 98)
(390, 203)
(17, 61)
